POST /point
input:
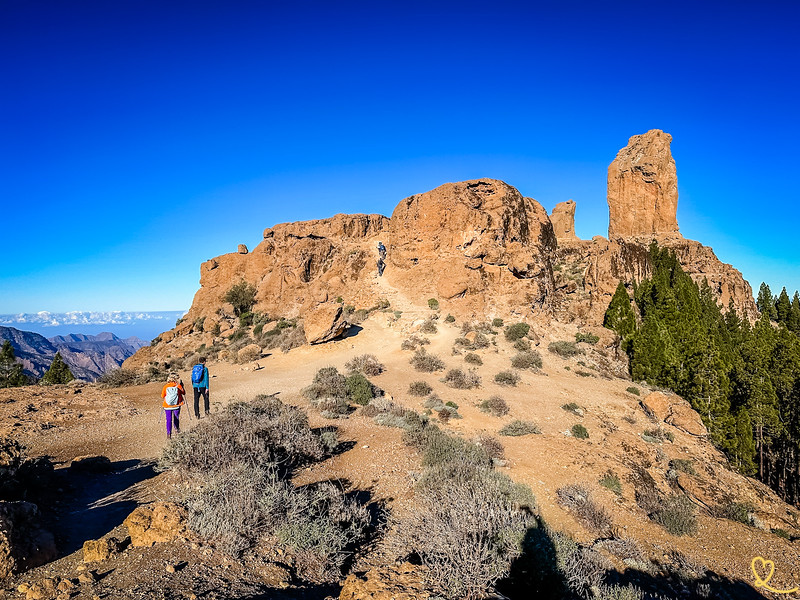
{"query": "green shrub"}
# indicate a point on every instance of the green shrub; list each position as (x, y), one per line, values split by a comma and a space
(587, 338)
(633, 390)
(497, 322)
(741, 512)
(782, 533)
(579, 431)
(564, 348)
(522, 345)
(611, 482)
(450, 319)
(433, 304)
(339, 299)
(573, 408)
(457, 378)
(581, 373)
(419, 388)
(684, 465)
(473, 359)
(527, 360)
(517, 331)
(242, 296)
(517, 428)
(359, 389)
(506, 378)
(245, 319)
(427, 363)
(495, 405)
(677, 515)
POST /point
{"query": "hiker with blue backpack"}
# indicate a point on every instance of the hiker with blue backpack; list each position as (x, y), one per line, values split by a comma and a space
(172, 395)
(200, 386)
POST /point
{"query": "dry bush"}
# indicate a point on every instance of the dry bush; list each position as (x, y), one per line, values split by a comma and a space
(657, 435)
(429, 326)
(677, 515)
(419, 388)
(328, 383)
(522, 345)
(527, 360)
(490, 444)
(414, 342)
(507, 378)
(578, 500)
(683, 465)
(457, 378)
(517, 428)
(494, 405)
(249, 354)
(433, 402)
(473, 359)
(120, 377)
(564, 348)
(427, 363)
(448, 412)
(368, 364)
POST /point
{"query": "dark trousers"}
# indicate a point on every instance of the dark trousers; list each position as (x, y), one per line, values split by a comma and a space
(197, 393)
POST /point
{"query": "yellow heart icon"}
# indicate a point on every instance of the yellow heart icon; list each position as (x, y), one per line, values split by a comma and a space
(757, 566)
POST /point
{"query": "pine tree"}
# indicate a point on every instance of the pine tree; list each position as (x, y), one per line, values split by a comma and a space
(793, 322)
(11, 371)
(765, 302)
(783, 307)
(58, 372)
(619, 315)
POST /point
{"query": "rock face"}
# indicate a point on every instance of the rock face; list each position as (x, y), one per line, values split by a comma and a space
(643, 188)
(23, 543)
(391, 582)
(563, 220)
(675, 411)
(478, 244)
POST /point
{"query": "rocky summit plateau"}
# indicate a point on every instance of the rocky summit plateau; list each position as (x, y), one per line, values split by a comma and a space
(462, 427)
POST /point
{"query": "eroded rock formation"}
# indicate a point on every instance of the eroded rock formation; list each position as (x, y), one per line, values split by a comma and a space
(643, 188)
(563, 220)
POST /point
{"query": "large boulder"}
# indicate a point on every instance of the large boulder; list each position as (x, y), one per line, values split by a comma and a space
(23, 543)
(643, 188)
(324, 323)
(675, 411)
(159, 522)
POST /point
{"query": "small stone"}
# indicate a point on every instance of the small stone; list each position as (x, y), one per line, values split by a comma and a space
(86, 578)
(170, 568)
(22, 588)
(195, 545)
(365, 446)
(65, 585)
(80, 568)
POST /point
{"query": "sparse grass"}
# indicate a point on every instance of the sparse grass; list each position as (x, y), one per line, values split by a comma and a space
(494, 405)
(518, 428)
(610, 481)
(427, 363)
(507, 378)
(457, 378)
(368, 364)
(578, 500)
(633, 390)
(473, 359)
(588, 338)
(517, 331)
(527, 360)
(677, 515)
(419, 388)
(564, 348)
(683, 465)
(579, 431)
(573, 408)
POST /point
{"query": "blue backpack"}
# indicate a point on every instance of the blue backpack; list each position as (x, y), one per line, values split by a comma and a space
(198, 371)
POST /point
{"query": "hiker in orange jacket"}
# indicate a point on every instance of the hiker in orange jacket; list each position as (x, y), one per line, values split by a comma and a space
(173, 394)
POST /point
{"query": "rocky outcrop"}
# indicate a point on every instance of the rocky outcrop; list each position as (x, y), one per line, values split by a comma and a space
(480, 245)
(23, 543)
(674, 410)
(242, 249)
(391, 582)
(643, 188)
(159, 522)
(100, 550)
(563, 220)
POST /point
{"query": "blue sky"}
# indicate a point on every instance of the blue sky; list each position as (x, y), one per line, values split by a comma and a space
(140, 138)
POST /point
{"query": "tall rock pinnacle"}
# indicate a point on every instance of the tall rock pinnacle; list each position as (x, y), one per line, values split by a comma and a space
(563, 220)
(643, 188)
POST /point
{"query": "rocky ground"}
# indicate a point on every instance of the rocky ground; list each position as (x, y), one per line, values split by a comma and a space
(125, 425)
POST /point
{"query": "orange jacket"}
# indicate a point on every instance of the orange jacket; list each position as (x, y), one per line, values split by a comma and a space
(181, 394)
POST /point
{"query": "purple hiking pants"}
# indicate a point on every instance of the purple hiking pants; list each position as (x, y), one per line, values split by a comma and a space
(173, 415)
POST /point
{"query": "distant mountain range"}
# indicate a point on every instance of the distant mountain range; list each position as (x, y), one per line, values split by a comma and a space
(88, 356)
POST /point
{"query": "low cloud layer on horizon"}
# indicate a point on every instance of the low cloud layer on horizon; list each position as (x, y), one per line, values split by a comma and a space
(49, 319)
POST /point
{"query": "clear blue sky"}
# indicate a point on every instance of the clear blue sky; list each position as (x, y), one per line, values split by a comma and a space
(140, 138)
